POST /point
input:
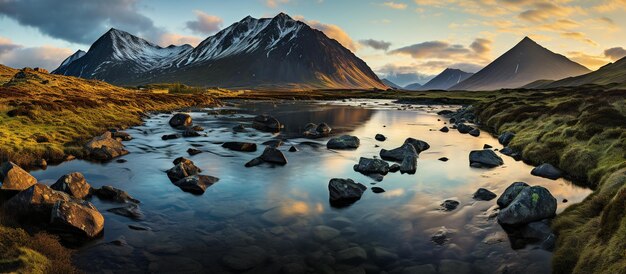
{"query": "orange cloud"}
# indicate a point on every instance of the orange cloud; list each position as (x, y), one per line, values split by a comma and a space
(394, 5)
(332, 31)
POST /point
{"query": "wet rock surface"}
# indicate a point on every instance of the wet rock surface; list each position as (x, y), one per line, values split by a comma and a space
(484, 158)
(104, 147)
(343, 142)
(73, 184)
(368, 166)
(344, 191)
(15, 178)
(547, 171)
(532, 203)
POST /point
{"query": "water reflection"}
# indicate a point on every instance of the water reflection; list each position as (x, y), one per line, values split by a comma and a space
(275, 209)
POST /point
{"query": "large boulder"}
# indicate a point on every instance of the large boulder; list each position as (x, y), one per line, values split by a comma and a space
(532, 203)
(510, 193)
(196, 184)
(484, 158)
(274, 156)
(240, 146)
(344, 191)
(398, 154)
(369, 166)
(79, 218)
(110, 193)
(266, 123)
(505, 138)
(547, 171)
(105, 147)
(180, 120)
(13, 177)
(419, 145)
(343, 142)
(35, 202)
(73, 184)
(183, 168)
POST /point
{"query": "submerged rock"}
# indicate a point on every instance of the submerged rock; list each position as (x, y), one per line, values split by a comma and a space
(343, 142)
(170, 136)
(73, 184)
(129, 210)
(180, 120)
(547, 171)
(505, 138)
(367, 166)
(190, 132)
(123, 136)
(110, 193)
(254, 162)
(196, 184)
(324, 233)
(484, 195)
(105, 147)
(352, 255)
(315, 131)
(485, 158)
(441, 236)
(449, 205)
(193, 151)
(13, 177)
(380, 137)
(273, 143)
(344, 192)
(532, 203)
(79, 218)
(240, 146)
(266, 123)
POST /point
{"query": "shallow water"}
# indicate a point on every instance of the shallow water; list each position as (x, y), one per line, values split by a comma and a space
(262, 218)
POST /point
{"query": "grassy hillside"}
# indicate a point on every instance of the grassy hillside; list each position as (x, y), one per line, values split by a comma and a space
(51, 116)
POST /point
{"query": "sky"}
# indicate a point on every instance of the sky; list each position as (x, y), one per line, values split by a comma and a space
(405, 41)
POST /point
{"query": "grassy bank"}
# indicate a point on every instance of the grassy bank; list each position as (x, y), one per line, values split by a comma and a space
(49, 117)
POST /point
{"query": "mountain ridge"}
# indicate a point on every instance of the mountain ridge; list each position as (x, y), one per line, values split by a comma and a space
(446, 79)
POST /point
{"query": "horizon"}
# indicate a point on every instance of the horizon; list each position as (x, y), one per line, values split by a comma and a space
(400, 54)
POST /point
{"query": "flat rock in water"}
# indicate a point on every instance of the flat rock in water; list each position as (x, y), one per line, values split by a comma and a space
(324, 233)
(547, 171)
(367, 166)
(344, 192)
(129, 210)
(74, 217)
(398, 154)
(196, 184)
(377, 189)
(183, 168)
(110, 193)
(343, 142)
(104, 147)
(240, 146)
(484, 195)
(485, 158)
(13, 177)
(380, 137)
(73, 184)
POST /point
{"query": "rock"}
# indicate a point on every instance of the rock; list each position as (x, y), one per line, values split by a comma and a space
(35, 202)
(444, 129)
(343, 142)
(193, 151)
(409, 164)
(463, 128)
(445, 112)
(196, 184)
(420, 269)
(183, 168)
(511, 152)
(73, 184)
(15, 178)
(293, 149)
(484, 195)
(80, 218)
(352, 255)
(441, 236)
(485, 158)
(323, 129)
(384, 256)
(180, 120)
(130, 210)
(171, 136)
(505, 138)
(367, 166)
(121, 136)
(564, 201)
(510, 193)
(273, 143)
(240, 146)
(531, 204)
(380, 137)
(475, 132)
(547, 171)
(495, 238)
(110, 193)
(419, 145)
(394, 168)
(239, 128)
(377, 189)
(443, 159)
(190, 132)
(537, 230)
(197, 128)
(343, 192)
(315, 131)
(274, 156)
(454, 267)
(105, 147)
(398, 154)
(40, 163)
(121, 161)
(324, 233)
(486, 146)
(449, 205)
(254, 162)
(266, 123)
(244, 258)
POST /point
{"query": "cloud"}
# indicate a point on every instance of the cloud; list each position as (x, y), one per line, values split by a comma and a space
(481, 46)
(611, 5)
(376, 44)
(546, 10)
(615, 53)
(591, 61)
(332, 31)
(403, 74)
(578, 36)
(275, 3)
(6, 45)
(80, 21)
(444, 50)
(17, 56)
(205, 23)
(178, 39)
(394, 5)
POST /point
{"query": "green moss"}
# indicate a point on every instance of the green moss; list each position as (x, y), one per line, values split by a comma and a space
(535, 198)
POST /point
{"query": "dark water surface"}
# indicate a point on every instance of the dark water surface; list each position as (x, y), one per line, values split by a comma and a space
(268, 219)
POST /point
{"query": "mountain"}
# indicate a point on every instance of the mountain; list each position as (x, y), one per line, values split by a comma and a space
(414, 86)
(390, 84)
(446, 79)
(70, 59)
(277, 52)
(608, 74)
(526, 62)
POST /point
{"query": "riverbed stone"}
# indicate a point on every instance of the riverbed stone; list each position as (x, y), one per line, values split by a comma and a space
(196, 184)
(368, 166)
(510, 193)
(129, 210)
(409, 164)
(444, 129)
(377, 189)
(73, 184)
(344, 191)
(244, 258)
(463, 128)
(449, 205)
(485, 158)
(77, 217)
(36, 202)
(193, 151)
(343, 142)
(274, 156)
(419, 145)
(380, 137)
(324, 233)
(266, 123)
(240, 146)
(475, 132)
(104, 147)
(547, 170)
(352, 255)
(454, 267)
(384, 256)
(171, 136)
(505, 138)
(183, 168)
(532, 203)
(483, 194)
(399, 154)
(180, 120)
(110, 193)
(394, 168)
(15, 178)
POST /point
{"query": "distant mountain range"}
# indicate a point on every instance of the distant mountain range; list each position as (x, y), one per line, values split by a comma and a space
(277, 52)
(526, 62)
(446, 79)
(414, 86)
(390, 84)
